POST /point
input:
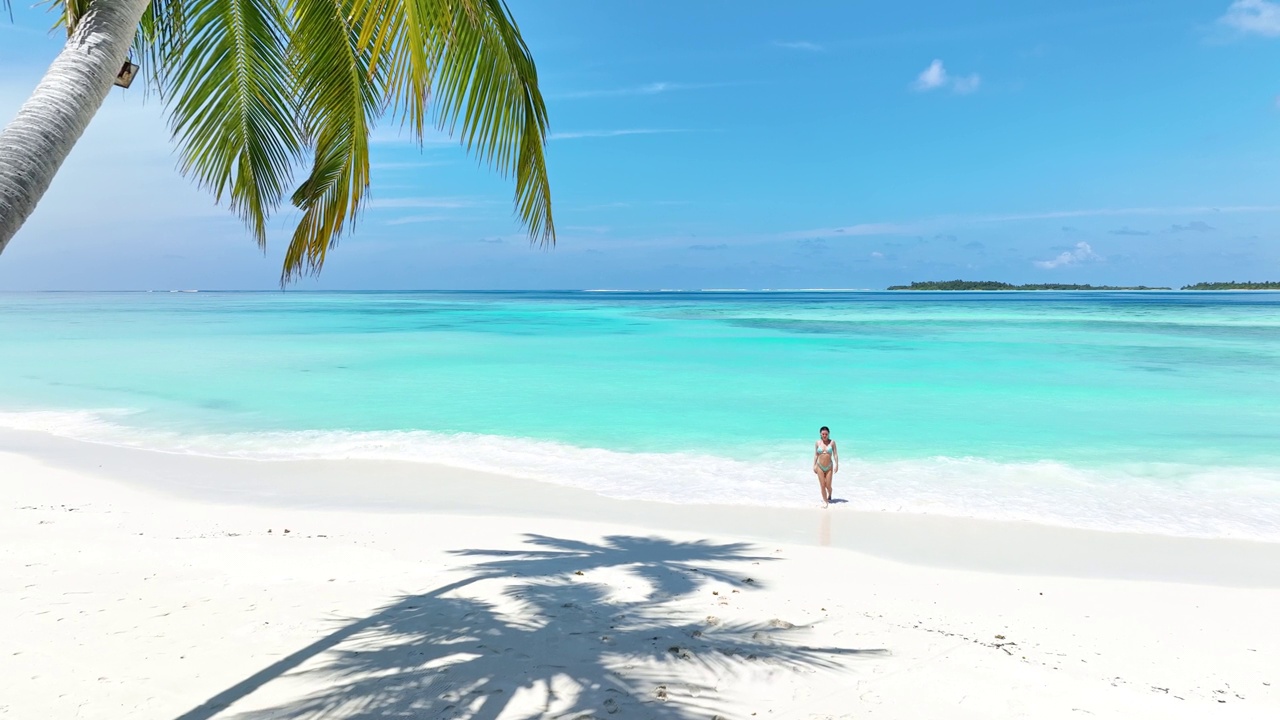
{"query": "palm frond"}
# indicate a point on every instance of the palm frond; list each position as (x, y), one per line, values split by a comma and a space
(404, 39)
(487, 82)
(74, 9)
(233, 105)
(250, 84)
(160, 39)
(466, 59)
(68, 13)
(340, 96)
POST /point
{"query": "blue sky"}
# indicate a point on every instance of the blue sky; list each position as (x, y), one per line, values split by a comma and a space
(752, 144)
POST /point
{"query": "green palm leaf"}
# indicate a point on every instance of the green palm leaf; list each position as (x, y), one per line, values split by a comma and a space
(466, 58)
(341, 95)
(404, 38)
(160, 40)
(252, 85)
(72, 11)
(234, 106)
(487, 80)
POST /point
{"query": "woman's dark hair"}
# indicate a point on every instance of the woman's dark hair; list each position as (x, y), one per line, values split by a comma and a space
(824, 427)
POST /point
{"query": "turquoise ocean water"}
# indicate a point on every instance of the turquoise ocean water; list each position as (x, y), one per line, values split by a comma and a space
(1150, 412)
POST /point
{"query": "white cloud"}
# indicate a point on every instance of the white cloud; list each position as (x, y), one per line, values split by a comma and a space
(607, 133)
(936, 76)
(1122, 212)
(654, 88)
(403, 135)
(967, 84)
(415, 219)
(933, 77)
(1257, 17)
(859, 230)
(397, 165)
(799, 45)
(1081, 254)
(942, 222)
(420, 202)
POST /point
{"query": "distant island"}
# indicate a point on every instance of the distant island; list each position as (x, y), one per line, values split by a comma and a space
(992, 285)
(1233, 286)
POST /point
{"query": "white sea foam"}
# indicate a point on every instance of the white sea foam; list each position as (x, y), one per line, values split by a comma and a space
(1161, 499)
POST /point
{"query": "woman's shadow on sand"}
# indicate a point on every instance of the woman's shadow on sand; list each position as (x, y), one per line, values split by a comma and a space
(558, 636)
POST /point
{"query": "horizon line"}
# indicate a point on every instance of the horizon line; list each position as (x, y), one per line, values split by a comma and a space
(194, 291)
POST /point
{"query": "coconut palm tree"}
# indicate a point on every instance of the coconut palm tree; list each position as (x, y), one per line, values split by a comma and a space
(255, 89)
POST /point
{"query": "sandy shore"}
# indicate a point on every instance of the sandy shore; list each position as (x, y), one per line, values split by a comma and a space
(142, 585)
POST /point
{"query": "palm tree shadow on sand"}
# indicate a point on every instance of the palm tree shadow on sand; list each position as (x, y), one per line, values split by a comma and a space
(580, 631)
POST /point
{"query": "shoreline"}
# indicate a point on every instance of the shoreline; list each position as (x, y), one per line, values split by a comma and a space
(152, 585)
(401, 487)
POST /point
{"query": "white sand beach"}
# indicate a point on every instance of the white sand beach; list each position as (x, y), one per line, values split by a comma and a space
(144, 585)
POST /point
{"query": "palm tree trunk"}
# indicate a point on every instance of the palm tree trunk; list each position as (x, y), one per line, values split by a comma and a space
(34, 144)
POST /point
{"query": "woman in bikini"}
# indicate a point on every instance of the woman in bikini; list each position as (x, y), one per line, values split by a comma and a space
(826, 462)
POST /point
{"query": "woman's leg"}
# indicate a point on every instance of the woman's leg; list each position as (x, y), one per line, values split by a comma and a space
(824, 484)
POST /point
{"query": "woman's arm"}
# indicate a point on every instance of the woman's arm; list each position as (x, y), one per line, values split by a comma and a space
(835, 458)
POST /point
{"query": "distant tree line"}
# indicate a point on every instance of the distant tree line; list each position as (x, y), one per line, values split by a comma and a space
(993, 285)
(1233, 286)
